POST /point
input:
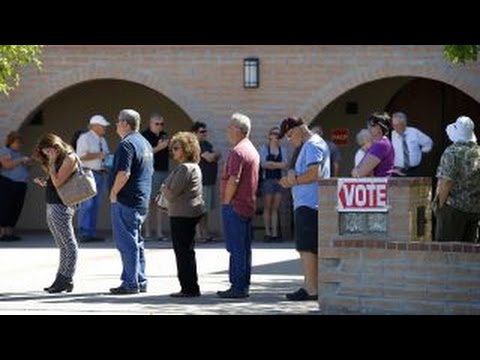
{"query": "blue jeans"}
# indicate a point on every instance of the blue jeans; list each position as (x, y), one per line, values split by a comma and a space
(238, 241)
(126, 225)
(88, 210)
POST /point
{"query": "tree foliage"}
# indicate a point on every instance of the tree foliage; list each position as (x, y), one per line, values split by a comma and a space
(12, 59)
(461, 53)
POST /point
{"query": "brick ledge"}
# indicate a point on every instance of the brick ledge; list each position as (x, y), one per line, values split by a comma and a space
(408, 246)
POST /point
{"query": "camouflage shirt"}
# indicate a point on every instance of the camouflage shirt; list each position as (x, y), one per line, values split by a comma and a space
(461, 163)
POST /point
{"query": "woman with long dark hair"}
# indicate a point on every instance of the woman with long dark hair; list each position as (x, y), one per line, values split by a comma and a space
(59, 162)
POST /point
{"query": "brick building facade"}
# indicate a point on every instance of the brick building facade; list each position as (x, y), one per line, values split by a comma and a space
(206, 82)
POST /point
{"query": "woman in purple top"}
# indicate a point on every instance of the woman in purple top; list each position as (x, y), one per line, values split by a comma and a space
(380, 157)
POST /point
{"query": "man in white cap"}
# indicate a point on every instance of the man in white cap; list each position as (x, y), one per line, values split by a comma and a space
(457, 201)
(92, 149)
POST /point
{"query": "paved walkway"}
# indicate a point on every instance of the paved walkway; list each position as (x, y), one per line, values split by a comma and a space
(29, 265)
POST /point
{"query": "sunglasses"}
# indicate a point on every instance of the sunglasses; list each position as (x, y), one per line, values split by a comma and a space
(275, 133)
(159, 123)
(203, 131)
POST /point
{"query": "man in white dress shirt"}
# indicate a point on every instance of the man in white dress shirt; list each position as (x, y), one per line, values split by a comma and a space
(409, 144)
(92, 149)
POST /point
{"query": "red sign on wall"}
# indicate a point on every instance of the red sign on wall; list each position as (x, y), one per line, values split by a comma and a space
(362, 195)
(340, 136)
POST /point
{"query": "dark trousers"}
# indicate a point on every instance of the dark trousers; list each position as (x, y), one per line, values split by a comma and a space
(456, 225)
(183, 235)
(12, 197)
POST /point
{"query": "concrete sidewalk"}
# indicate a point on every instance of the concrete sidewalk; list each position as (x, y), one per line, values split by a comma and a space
(27, 266)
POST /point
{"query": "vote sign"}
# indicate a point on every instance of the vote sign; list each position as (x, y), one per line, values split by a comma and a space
(362, 195)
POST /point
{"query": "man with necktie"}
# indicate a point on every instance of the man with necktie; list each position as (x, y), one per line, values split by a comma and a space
(409, 144)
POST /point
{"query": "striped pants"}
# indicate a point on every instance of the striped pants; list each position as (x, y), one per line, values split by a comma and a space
(59, 220)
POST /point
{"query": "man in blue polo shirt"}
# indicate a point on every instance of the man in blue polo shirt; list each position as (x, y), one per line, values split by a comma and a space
(131, 187)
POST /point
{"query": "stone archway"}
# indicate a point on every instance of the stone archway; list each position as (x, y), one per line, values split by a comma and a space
(159, 82)
(465, 79)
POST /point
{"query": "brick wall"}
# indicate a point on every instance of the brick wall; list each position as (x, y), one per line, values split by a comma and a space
(207, 81)
(398, 273)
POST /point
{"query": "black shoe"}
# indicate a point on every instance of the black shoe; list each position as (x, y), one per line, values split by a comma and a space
(61, 283)
(142, 288)
(182, 294)
(124, 291)
(10, 238)
(301, 295)
(233, 294)
(87, 239)
(267, 238)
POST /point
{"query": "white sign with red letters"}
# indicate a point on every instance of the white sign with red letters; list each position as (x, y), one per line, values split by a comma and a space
(362, 195)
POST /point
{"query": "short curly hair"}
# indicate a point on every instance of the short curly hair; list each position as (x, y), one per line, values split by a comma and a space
(189, 143)
(12, 137)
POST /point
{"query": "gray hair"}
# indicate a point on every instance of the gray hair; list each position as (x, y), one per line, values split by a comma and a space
(242, 122)
(400, 116)
(131, 117)
(363, 136)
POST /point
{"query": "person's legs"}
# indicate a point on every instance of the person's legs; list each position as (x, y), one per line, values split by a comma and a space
(310, 271)
(60, 223)
(88, 210)
(6, 203)
(19, 190)
(267, 213)
(126, 225)
(450, 224)
(99, 179)
(306, 238)
(471, 228)
(277, 199)
(154, 216)
(238, 241)
(201, 229)
(183, 233)
(203, 233)
(160, 216)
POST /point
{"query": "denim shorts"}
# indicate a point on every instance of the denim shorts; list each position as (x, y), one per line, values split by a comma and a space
(271, 186)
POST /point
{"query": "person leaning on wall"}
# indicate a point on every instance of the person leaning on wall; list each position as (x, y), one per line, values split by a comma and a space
(457, 200)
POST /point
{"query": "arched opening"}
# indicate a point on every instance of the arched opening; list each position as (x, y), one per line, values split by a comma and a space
(429, 104)
(70, 110)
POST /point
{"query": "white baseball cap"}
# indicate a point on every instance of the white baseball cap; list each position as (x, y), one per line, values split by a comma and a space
(99, 119)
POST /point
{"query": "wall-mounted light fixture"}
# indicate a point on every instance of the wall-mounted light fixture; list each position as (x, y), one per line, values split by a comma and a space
(251, 72)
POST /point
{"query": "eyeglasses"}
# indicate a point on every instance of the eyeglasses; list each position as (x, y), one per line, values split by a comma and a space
(203, 131)
(159, 123)
(275, 133)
